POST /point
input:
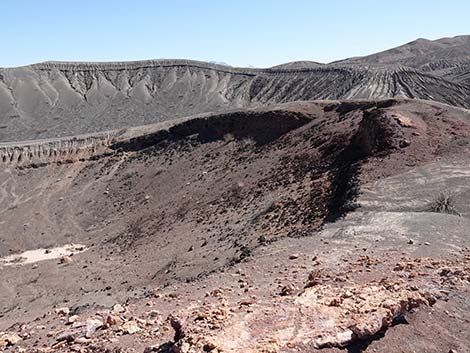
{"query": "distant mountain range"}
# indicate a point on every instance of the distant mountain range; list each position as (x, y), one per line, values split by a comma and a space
(54, 99)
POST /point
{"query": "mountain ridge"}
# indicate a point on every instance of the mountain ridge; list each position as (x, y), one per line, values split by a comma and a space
(443, 41)
(56, 99)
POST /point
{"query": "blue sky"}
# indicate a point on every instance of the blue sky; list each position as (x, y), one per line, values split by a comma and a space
(256, 32)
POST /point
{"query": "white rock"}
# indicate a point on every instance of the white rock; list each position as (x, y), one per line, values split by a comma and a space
(130, 327)
(91, 326)
(62, 311)
(9, 339)
(72, 319)
(118, 308)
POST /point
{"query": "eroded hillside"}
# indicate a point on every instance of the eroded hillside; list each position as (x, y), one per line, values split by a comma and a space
(56, 99)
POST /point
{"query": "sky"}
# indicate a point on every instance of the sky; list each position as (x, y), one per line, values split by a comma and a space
(258, 33)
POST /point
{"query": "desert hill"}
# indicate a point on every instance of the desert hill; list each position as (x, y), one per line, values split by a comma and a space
(422, 53)
(56, 99)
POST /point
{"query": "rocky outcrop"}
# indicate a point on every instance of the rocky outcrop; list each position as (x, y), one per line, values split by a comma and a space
(64, 150)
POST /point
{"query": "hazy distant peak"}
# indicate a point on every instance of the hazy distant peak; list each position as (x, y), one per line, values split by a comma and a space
(220, 63)
(304, 64)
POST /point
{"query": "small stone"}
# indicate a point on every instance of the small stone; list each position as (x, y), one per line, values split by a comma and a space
(153, 313)
(65, 259)
(142, 322)
(91, 326)
(293, 256)
(113, 320)
(62, 311)
(82, 340)
(72, 319)
(287, 290)
(335, 302)
(246, 302)
(404, 143)
(118, 308)
(185, 347)
(177, 325)
(130, 327)
(313, 278)
(209, 347)
(410, 241)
